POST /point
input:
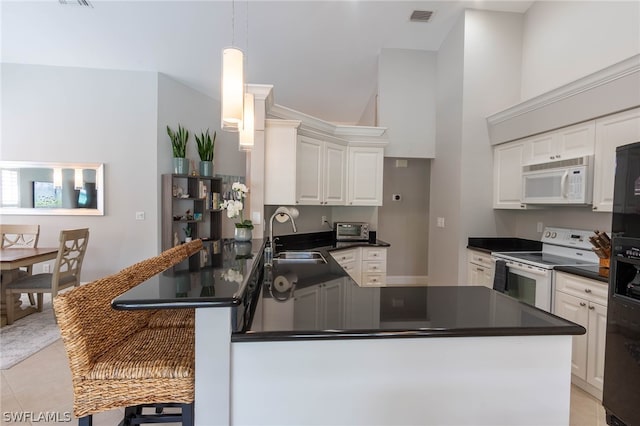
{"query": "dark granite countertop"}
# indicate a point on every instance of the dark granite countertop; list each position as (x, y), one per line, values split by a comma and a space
(592, 272)
(311, 301)
(491, 244)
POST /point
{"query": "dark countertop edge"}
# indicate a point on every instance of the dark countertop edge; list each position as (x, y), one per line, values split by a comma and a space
(583, 273)
(378, 243)
(125, 305)
(484, 250)
(277, 336)
(502, 244)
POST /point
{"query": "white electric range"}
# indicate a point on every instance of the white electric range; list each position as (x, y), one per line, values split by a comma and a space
(530, 276)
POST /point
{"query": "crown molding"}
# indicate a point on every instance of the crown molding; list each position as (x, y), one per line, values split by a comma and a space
(615, 72)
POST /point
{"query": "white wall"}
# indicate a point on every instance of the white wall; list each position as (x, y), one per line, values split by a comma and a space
(89, 115)
(445, 169)
(492, 59)
(566, 40)
(478, 74)
(406, 101)
(180, 104)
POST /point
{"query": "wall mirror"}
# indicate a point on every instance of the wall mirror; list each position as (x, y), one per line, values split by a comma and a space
(40, 188)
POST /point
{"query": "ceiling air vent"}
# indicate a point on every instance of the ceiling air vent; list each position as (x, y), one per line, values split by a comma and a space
(83, 3)
(421, 16)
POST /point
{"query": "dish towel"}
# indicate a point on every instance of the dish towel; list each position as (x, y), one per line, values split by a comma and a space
(500, 277)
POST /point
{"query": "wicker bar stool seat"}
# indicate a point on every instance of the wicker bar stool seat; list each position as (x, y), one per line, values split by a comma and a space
(180, 318)
(116, 360)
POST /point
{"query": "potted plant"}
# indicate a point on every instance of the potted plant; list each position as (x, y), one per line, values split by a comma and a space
(179, 141)
(187, 233)
(234, 209)
(205, 151)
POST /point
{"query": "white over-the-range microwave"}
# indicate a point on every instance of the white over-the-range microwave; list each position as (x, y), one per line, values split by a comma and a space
(567, 181)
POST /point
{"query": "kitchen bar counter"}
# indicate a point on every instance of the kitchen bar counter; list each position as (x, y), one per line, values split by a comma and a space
(313, 339)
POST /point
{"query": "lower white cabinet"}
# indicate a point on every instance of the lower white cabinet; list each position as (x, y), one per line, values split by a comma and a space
(480, 268)
(367, 266)
(320, 306)
(584, 302)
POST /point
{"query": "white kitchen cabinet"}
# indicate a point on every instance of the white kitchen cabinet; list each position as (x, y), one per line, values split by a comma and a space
(374, 266)
(367, 266)
(320, 306)
(611, 132)
(321, 172)
(480, 268)
(508, 159)
(569, 142)
(364, 176)
(584, 302)
(335, 174)
(349, 259)
(280, 162)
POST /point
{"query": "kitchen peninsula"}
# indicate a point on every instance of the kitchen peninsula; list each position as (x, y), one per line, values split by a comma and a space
(303, 344)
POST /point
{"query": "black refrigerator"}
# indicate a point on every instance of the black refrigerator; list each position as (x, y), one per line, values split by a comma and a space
(621, 396)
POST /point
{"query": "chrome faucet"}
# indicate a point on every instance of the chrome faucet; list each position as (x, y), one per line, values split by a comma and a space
(281, 212)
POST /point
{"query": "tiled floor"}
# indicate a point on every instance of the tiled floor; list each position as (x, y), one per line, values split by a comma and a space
(42, 383)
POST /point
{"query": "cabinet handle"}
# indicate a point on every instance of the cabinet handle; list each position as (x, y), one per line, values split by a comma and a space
(592, 307)
(587, 290)
(583, 304)
(479, 269)
(595, 207)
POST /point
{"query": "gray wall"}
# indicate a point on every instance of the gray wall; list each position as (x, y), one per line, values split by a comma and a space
(405, 223)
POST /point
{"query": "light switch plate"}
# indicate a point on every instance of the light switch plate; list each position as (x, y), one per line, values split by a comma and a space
(139, 215)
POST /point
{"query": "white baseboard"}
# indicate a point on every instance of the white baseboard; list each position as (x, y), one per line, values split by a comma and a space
(407, 280)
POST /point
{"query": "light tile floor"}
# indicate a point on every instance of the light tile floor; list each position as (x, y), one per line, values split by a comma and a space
(42, 383)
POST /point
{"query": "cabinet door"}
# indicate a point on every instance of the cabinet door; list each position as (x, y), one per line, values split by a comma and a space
(307, 309)
(542, 148)
(574, 309)
(576, 141)
(596, 333)
(507, 175)
(309, 171)
(473, 274)
(333, 304)
(611, 132)
(365, 172)
(335, 174)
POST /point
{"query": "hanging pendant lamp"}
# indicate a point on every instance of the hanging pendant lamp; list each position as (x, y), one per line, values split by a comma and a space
(246, 134)
(232, 89)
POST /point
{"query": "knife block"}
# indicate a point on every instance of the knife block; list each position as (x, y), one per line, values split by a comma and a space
(604, 267)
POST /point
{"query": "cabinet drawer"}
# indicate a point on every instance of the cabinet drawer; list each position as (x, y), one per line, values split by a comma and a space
(373, 279)
(345, 256)
(480, 258)
(374, 266)
(587, 289)
(374, 253)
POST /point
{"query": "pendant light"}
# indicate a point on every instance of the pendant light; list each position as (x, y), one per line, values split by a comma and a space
(232, 91)
(246, 134)
(245, 139)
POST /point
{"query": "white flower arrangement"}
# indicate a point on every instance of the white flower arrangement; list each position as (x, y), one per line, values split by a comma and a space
(235, 205)
(232, 275)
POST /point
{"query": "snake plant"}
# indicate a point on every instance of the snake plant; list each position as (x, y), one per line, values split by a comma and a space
(179, 141)
(205, 145)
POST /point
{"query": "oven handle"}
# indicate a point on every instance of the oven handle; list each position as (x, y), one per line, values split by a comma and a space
(533, 270)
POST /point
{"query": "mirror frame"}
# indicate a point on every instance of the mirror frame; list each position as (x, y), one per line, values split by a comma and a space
(98, 167)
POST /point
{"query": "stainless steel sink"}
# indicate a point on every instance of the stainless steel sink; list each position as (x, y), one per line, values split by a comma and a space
(299, 257)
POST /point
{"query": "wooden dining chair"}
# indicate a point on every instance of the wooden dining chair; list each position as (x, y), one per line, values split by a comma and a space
(66, 271)
(21, 236)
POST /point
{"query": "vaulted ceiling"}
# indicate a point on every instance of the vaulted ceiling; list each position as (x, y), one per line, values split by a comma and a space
(321, 56)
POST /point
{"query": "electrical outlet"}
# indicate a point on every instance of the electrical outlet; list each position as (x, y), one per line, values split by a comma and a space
(540, 226)
(139, 215)
(324, 220)
(46, 268)
(440, 222)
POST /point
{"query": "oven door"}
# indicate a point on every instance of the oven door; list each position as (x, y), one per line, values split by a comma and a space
(529, 284)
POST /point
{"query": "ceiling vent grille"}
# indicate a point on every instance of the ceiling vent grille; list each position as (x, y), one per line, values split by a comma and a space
(82, 3)
(421, 16)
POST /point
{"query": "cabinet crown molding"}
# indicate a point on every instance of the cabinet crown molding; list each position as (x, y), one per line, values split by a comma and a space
(604, 92)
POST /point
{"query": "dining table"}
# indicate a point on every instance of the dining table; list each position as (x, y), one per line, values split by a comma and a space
(11, 260)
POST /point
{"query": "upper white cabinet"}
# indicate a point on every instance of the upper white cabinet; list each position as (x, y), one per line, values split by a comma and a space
(508, 159)
(310, 162)
(322, 180)
(611, 132)
(569, 142)
(364, 176)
